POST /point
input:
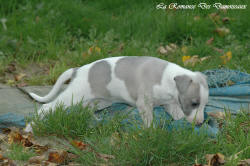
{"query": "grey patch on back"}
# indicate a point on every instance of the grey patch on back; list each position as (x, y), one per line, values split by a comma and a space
(140, 72)
(99, 77)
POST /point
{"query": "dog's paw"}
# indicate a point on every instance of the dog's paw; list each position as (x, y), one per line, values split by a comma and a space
(28, 129)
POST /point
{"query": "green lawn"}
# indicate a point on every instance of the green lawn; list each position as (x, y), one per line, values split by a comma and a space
(41, 39)
(152, 146)
(56, 35)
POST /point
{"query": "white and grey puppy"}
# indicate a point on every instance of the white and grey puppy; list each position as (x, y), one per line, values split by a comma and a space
(143, 82)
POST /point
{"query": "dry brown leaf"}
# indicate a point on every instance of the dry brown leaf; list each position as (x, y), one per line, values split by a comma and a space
(14, 137)
(39, 149)
(225, 19)
(205, 58)
(167, 49)
(47, 163)
(22, 84)
(173, 46)
(37, 159)
(215, 16)
(58, 157)
(192, 61)
(222, 31)
(19, 76)
(7, 162)
(105, 157)
(1, 157)
(215, 159)
(217, 115)
(218, 50)
(6, 130)
(210, 41)
(79, 144)
(162, 50)
(26, 142)
(245, 162)
(72, 156)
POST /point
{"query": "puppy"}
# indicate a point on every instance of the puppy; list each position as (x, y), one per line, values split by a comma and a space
(143, 82)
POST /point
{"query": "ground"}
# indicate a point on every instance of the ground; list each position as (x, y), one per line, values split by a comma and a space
(40, 40)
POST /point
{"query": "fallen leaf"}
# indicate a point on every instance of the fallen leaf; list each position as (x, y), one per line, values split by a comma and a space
(218, 50)
(215, 159)
(105, 157)
(14, 137)
(58, 157)
(1, 157)
(215, 16)
(173, 46)
(39, 149)
(185, 58)
(37, 159)
(245, 162)
(47, 163)
(205, 58)
(162, 50)
(222, 31)
(26, 142)
(210, 41)
(225, 19)
(22, 84)
(72, 156)
(217, 115)
(79, 144)
(19, 76)
(191, 61)
(226, 57)
(94, 49)
(167, 49)
(6, 130)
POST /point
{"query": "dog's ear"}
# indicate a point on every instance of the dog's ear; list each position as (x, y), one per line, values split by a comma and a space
(203, 79)
(182, 83)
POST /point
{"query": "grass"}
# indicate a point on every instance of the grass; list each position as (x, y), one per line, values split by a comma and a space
(43, 39)
(152, 146)
(18, 152)
(59, 33)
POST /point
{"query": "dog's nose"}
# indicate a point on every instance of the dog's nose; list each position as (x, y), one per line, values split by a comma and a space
(199, 124)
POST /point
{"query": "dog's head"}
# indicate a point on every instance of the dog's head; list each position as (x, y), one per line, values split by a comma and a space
(193, 96)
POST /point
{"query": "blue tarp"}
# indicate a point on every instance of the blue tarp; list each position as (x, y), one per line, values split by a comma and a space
(223, 96)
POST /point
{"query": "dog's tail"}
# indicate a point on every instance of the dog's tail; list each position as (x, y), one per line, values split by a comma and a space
(56, 88)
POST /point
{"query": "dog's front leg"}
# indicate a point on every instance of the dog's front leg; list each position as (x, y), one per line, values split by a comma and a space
(145, 107)
(174, 110)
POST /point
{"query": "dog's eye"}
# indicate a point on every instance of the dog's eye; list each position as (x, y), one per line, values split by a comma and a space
(195, 104)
